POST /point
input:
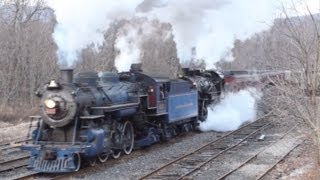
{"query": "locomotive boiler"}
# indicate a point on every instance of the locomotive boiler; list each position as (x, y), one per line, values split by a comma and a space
(209, 85)
(91, 117)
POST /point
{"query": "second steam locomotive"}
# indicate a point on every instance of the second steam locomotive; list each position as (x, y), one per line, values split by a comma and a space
(91, 117)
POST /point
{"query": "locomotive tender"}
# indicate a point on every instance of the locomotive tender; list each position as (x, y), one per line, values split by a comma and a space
(92, 117)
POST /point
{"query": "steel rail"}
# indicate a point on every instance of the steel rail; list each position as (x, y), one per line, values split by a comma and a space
(276, 163)
(221, 152)
(200, 148)
(256, 154)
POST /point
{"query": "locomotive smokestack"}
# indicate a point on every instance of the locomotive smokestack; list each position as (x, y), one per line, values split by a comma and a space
(137, 67)
(66, 76)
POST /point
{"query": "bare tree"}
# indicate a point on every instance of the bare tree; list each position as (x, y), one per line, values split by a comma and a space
(301, 94)
(158, 49)
(159, 53)
(100, 58)
(27, 52)
(290, 46)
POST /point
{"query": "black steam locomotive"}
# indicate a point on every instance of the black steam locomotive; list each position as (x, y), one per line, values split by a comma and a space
(91, 117)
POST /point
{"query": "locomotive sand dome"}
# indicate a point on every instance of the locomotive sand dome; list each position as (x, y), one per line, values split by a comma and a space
(91, 118)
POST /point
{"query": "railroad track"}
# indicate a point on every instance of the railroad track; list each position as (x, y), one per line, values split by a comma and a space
(18, 173)
(17, 169)
(13, 166)
(13, 144)
(252, 127)
(11, 152)
(185, 165)
(47, 176)
(256, 154)
(261, 176)
(12, 159)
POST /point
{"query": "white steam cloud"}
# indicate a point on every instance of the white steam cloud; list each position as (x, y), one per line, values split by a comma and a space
(82, 22)
(129, 51)
(234, 110)
(209, 25)
(129, 41)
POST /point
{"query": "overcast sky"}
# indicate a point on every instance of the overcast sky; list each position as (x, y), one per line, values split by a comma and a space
(313, 5)
(209, 25)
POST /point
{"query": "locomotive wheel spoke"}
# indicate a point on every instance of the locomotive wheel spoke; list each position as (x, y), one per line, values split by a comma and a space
(103, 157)
(128, 138)
(116, 154)
(77, 161)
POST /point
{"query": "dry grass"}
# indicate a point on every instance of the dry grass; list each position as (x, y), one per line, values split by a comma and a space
(302, 164)
(15, 115)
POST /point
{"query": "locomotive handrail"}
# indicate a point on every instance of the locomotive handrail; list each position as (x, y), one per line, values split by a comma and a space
(92, 117)
(74, 133)
(114, 107)
(79, 88)
(72, 145)
(101, 87)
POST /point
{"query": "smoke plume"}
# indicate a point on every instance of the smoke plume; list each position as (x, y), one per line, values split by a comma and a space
(129, 49)
(208, 25)
(130, 38)
(234, 110)
(82, 22)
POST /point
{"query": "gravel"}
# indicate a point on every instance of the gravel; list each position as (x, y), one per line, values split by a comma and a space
(11, 133)
(301, 164)
(140, 162)
(143, 161)
(234, 158)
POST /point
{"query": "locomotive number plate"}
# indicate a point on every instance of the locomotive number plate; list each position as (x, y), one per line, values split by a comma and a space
(51, 111)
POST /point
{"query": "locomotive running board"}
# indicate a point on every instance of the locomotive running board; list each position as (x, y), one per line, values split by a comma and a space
(159, 114)
(116, 107)
(92, 117)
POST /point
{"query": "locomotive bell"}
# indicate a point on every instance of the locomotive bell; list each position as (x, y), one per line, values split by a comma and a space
(66, 76)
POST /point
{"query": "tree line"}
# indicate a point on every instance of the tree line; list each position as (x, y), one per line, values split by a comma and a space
(291, 45)
(28, 53)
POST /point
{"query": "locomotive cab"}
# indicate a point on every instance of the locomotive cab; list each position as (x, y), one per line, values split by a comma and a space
(172, 104)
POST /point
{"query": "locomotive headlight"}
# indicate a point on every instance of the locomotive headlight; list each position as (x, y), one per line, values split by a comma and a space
(50, 103)
(150, 90)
